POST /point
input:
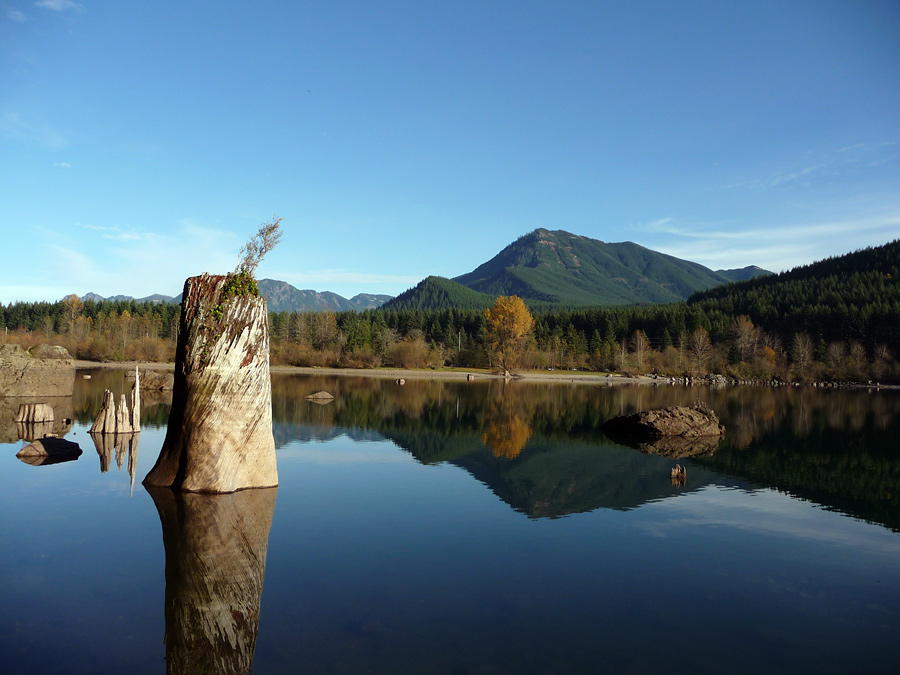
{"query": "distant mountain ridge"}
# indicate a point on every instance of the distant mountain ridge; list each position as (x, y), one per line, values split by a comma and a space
(547, 267)
(280, 297)
(564, 268)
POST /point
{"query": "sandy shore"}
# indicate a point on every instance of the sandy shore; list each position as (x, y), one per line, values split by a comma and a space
(408, 374)
(570, 377)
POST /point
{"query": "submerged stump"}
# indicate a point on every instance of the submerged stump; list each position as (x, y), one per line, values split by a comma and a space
(219, 437)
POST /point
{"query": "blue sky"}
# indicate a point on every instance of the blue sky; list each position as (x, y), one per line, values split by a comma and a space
(143, 142)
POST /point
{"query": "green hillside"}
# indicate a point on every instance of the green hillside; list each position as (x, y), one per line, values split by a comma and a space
(851, 297)
(435, 293)
(564, 268)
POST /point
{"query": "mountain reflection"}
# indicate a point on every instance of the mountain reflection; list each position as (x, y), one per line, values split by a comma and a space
(216, 549)
(540, 448)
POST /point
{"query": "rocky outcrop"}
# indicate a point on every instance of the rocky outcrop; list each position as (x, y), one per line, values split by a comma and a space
(697, 422)
(219, 437)
(44, 371)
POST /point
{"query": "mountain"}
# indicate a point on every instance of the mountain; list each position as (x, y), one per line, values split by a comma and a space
(744, 273)
(434, 293)
(564, 268)
(280, 297)
(156, 297)
(364, 301)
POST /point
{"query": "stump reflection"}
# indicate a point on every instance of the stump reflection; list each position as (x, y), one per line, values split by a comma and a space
(215, 563)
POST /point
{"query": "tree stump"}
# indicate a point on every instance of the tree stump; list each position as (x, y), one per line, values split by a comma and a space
(219, 437)
(35, 412)
(113, 419)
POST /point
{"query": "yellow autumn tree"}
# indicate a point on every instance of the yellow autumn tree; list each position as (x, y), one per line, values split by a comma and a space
(508, 324)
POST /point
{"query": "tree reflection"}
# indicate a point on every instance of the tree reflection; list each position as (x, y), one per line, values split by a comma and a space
(506, 435)
(216, 547)
(505, 430)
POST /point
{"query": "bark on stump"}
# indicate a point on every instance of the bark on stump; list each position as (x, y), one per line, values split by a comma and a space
(219, 437)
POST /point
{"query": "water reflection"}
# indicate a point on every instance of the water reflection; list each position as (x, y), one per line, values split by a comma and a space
(216, 549)
(119, 445)
(540, 446)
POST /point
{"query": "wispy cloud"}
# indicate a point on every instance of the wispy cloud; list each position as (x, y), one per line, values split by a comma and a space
(59, 5)
(62, 165)
(780, 246)
(15, 15)
(845, 161)
(13, 127)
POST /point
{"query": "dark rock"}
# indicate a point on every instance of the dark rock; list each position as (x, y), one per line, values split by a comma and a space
(697, 422)
(49, 451)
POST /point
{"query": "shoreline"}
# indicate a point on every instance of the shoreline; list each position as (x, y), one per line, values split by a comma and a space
(399, 373)
(559, 376)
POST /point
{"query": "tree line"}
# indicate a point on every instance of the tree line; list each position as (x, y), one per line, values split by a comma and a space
(709, 333)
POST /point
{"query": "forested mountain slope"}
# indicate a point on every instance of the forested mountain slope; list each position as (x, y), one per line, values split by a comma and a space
(564, 268)
(437, 293)
(850, 297)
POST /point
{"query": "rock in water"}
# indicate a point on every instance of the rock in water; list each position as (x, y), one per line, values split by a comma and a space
(49, 451)
(697, 422)
(220, 428)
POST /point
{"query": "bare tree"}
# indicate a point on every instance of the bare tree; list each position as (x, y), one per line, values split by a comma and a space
(802, 352)
(745, 336)
(266, 238)
(640, 347)
(701, 348)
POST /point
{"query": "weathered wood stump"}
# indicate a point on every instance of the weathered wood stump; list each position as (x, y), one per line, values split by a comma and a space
(219, 437)
(216, 547)
(113, 419)
(34, 412)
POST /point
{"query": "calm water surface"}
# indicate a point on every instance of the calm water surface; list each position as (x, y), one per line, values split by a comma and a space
(466, 528)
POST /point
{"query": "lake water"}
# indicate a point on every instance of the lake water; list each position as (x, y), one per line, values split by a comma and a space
(452, 527)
